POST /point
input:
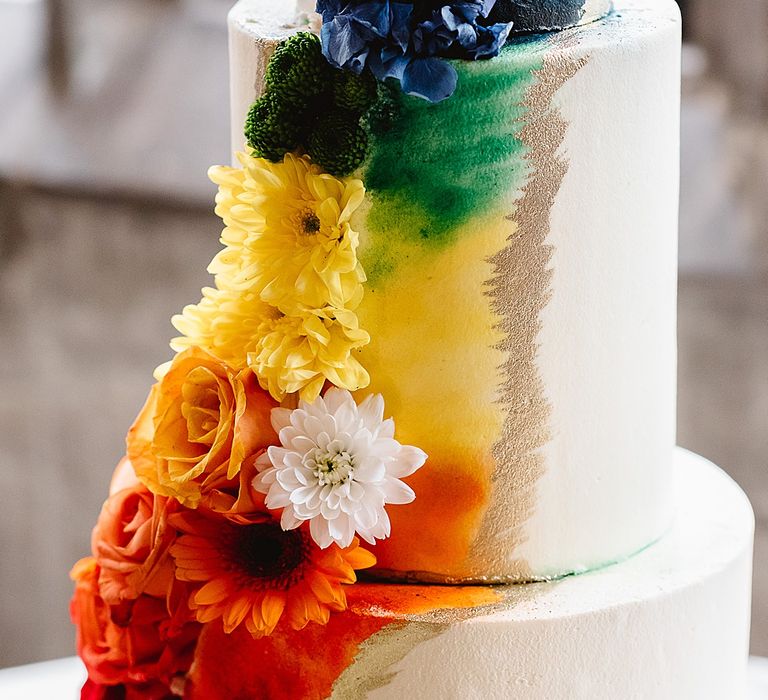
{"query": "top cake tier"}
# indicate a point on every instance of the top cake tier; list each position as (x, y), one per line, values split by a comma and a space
(519, 246)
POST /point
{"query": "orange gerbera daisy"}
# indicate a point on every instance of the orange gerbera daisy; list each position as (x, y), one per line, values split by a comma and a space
(258, 573)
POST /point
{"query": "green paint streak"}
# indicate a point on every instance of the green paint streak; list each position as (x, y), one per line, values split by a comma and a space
(441, 164)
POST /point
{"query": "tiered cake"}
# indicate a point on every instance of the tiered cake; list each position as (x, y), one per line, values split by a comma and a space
(461, 215)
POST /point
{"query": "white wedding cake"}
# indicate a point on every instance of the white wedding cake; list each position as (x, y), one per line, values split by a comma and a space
(545, 343)
(462, 215)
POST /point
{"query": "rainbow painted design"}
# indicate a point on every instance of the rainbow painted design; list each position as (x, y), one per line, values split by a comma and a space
(444, 185)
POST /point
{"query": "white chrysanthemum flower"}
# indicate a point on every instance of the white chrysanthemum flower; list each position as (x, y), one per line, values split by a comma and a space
(338, 466)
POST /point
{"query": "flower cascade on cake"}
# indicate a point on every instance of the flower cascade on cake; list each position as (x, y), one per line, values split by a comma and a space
(258, 462)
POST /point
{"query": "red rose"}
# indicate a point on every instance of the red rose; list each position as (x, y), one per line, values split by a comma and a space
(136, 642)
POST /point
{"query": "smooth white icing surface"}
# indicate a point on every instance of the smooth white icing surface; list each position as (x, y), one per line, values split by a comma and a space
(671, 623)
(607, 346)
(608, 343)
(255, 28)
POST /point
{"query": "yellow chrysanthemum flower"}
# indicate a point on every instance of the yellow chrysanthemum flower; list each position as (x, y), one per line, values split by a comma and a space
(287, 281)
(288, 353)
(226, 323)
(298, 353)
(288, 233)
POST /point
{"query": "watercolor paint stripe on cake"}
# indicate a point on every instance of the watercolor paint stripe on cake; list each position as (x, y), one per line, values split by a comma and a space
(440, 164)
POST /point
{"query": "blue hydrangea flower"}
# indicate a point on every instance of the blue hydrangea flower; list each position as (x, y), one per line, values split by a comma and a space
(390, 39)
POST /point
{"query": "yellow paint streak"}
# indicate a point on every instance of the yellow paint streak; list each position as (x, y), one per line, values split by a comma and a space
(434, 356)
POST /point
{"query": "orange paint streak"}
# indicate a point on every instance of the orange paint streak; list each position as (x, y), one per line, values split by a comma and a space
(304, 664)
(435, 532)
(393, 600)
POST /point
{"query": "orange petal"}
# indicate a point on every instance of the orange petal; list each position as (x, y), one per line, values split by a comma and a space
(272, 607)
(255, 624)
(208, 614)
(236, 612)
(297, 610)
(343, 573)
(320, 586)
(212, 592)
(359, 558)
(315, 611)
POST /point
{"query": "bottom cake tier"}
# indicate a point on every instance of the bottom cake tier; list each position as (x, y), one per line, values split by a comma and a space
(671, 622)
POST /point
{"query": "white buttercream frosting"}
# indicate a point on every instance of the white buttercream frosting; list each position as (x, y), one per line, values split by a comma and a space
(670, 623)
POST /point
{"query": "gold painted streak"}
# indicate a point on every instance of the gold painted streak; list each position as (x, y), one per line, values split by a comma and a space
(372, 667)
(520, 289)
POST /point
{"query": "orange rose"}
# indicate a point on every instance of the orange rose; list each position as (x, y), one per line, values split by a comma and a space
(131, 541)
(136, 642)
(201, 422)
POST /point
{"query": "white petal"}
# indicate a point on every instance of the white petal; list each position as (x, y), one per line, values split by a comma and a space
(329, 425)
(259, 484)
(318, 407)
(293, 460)
(323, 439)
(288, 435)
(327, 512)
(303, 494)
(335, 496)
(302, 444)
(288, 521)
(263, 462)
(366, 517)
(367, 536)
(395, 491)
(346, 417)
(286, 478)
(304, 512)
(313, 426)
(305, 475)
(355, 492)
(318, 528)
(280, 417)
(383, 528)
(360, 442)
(342, 530)
(336, 398)
(276, 454)
(314, 502)
(298, 418)
(277, 498)
(385, 447)
(408, 460)
(335, 446)
(371, 411)
(370, 470)
(387, 429)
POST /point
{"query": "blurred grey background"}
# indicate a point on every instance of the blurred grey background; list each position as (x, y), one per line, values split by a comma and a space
(111, 113)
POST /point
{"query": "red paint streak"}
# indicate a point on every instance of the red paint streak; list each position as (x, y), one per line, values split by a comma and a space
(304, 664)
